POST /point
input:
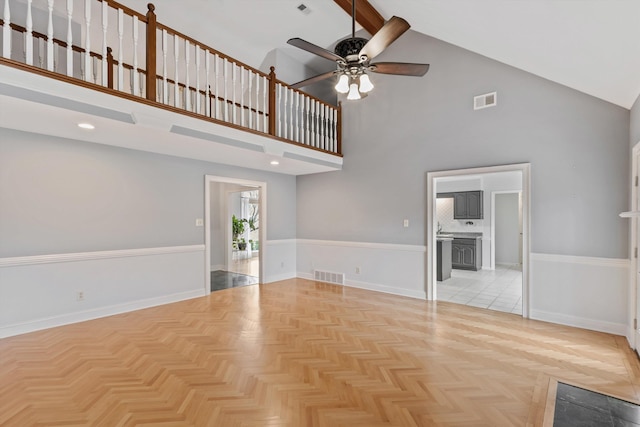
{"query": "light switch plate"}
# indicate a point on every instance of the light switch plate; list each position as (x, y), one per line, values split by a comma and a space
(199, 222)
(406, 223)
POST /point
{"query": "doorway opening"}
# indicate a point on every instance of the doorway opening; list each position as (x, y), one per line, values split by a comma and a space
(235, 230)
(478, 237)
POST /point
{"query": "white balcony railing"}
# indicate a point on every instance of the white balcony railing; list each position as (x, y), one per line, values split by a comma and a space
(102, 42)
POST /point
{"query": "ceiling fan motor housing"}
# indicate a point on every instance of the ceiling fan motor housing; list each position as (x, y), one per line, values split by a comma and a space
(350, 47)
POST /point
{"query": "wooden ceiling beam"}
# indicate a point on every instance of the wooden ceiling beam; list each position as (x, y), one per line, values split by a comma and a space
(366, 15)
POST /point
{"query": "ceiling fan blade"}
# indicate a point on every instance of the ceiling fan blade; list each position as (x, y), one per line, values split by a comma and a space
(400, 68)
(316, 50)
(393, 29)
(313, 80)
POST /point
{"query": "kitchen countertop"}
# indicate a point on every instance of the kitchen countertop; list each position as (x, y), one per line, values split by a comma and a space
(461, 235)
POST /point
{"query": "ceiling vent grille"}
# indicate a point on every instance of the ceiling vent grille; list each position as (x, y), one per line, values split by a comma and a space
(485, 101)
(328, 277)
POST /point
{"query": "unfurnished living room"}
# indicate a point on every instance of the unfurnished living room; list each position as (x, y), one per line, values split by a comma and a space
(319, 213)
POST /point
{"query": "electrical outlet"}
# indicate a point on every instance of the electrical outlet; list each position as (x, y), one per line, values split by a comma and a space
(357, 270)
(199, 222)
(405, 223)
(80, 296)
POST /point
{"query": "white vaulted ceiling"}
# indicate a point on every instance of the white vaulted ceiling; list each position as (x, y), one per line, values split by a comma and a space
(590, 45)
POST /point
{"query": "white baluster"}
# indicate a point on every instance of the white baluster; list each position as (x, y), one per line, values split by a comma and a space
(136, 82)
(314, 129)
(234, 83)
(187, 54)
(69, 38)
(307, 122)
(207, 87)
(322, 127)
(334, 145)
(165, 83)
(197, 79)
(225, 104)
(95, 70)
(279, 108)
(41, 50)
(285, 107)
(250, 91)
(105, 72)
(327, 128)
(6, 31)
(242, 92)
(298, 117)
(216, 72)
(49, 33)
(292, 115)
(28, 41)
(120, 49)
(176, 86)
(88, 70)
(318, 125)
(265, 119)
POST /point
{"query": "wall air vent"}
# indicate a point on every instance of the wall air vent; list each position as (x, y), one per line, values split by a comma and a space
(304, 8)
(484, 101)
(328, 277)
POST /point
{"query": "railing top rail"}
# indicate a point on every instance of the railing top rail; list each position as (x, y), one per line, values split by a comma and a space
(307, 95)
(125, 9)
(210, 49)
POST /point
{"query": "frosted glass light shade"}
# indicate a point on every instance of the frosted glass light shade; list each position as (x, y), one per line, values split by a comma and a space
(343, 84)
(365, 84)
(353, 92)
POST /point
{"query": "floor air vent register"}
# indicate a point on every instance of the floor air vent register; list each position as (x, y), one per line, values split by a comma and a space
(328, 277)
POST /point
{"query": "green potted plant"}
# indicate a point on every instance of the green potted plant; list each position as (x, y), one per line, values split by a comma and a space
(237, 229)
(242, 244)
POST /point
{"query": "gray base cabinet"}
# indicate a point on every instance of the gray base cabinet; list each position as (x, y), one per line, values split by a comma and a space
(443, 271)
(466, 254)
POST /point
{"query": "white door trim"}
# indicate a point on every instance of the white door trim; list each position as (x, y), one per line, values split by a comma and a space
(262, 186)
(634, 336)
(525, 168)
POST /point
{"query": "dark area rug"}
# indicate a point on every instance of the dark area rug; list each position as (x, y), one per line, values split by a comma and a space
(221, 279)
(579, 407)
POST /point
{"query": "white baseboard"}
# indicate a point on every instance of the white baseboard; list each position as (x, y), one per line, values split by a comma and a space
(82, 316)
(278, 277)
(375, 287)
(580, 322)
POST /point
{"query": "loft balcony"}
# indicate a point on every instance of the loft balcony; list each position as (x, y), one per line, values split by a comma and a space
(154, 89)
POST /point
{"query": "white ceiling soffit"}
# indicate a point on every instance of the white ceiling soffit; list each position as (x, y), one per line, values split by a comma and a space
(589, 45)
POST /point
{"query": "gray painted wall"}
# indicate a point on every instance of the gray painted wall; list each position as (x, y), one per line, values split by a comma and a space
(577, 146)
(64, 196)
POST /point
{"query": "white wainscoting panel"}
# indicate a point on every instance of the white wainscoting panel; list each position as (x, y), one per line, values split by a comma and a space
(44, 293)
(391, 268)
(585, 292)
(279, 260)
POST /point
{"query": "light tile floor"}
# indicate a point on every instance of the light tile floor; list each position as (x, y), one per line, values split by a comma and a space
(499, 289)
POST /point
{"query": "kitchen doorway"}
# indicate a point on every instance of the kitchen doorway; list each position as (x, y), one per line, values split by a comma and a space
(462, 209)
(235, 229)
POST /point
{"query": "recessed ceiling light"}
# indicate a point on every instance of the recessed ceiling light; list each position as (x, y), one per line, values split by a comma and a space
(275, 162)
(86, 126)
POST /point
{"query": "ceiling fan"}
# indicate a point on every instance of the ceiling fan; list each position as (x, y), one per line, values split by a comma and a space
(353, 57)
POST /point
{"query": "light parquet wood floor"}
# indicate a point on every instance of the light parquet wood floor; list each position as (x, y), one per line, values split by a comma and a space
(301, 353)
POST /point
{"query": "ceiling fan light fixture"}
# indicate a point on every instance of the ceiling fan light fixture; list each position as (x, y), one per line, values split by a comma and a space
(343, 84)
(365, 84)
(353, 92)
